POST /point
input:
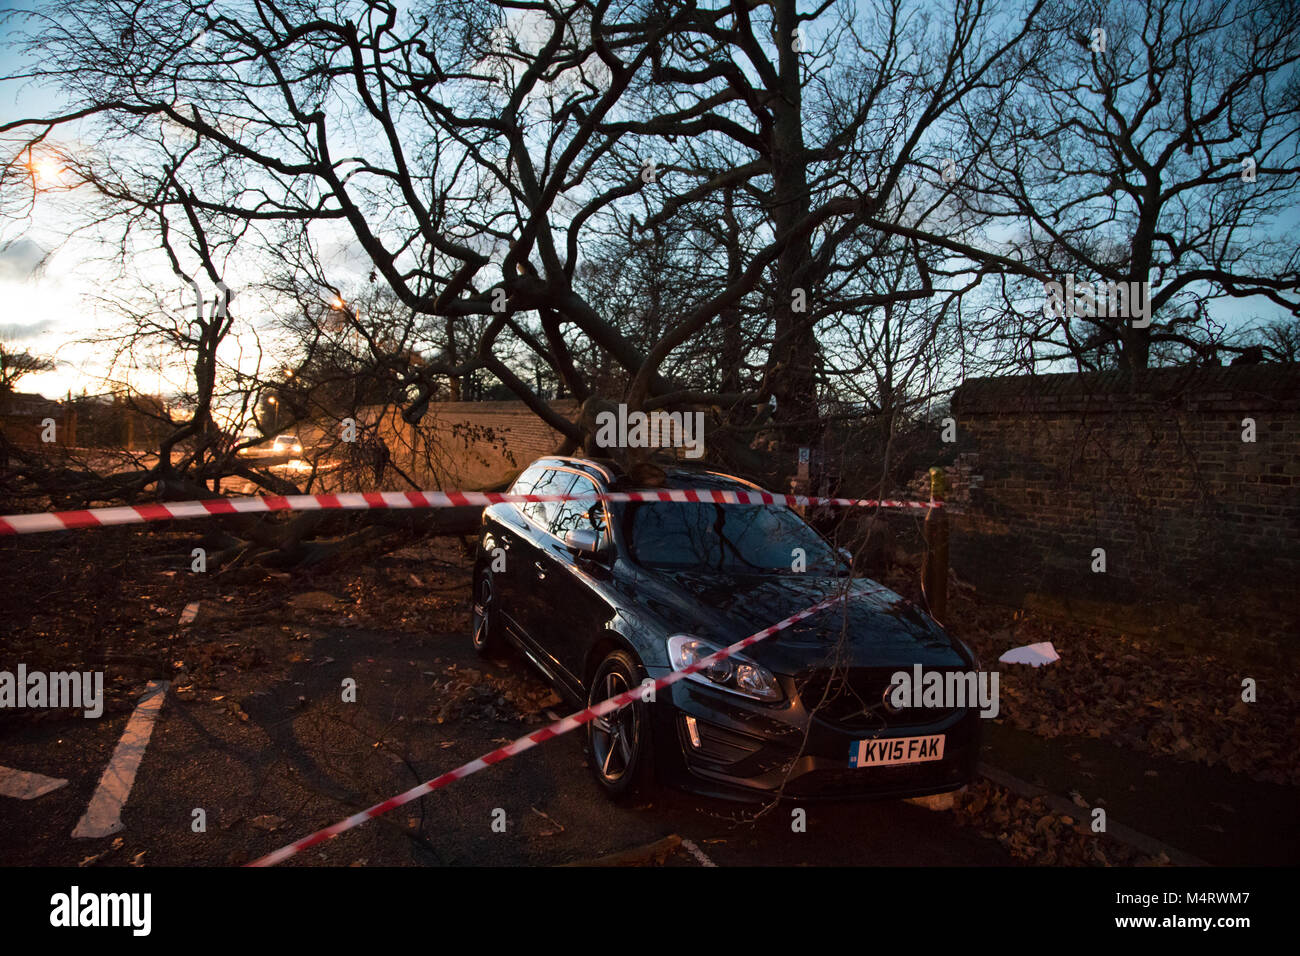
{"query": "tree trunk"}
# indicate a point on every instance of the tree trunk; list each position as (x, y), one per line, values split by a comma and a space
(732, 354)
(795, 345)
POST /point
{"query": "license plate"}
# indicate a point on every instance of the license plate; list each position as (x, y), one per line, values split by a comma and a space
(895, 750)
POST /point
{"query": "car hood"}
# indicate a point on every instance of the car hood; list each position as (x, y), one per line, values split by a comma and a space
(874, 627)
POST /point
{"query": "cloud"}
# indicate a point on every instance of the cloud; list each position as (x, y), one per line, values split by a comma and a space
(16, 332)
(344, 253)
(22, 259)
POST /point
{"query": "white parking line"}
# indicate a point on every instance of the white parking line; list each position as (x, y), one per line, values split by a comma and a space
(104, 814)
(700, 856)
(25, 785)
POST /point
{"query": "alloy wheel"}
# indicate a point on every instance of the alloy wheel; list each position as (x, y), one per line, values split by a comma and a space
(615, 736)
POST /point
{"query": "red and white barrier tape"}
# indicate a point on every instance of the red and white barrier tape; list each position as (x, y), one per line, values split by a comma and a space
(549, 732)
(359, 501)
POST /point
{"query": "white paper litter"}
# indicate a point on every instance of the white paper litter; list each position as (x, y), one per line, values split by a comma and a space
(26, 785)
(1033, 654)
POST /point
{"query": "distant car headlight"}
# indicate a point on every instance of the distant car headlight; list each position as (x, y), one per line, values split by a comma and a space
(297, 449)
(736, 674)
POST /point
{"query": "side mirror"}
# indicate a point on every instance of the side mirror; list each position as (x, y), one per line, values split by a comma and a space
(847, 555)
(582, 541)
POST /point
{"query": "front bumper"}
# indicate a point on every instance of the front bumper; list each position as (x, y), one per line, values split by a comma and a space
(756, 752)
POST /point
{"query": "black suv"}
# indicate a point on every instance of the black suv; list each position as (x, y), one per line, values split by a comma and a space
(600, 596)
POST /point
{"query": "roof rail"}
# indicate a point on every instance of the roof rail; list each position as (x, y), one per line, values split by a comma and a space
(584, 462)
(743, 481)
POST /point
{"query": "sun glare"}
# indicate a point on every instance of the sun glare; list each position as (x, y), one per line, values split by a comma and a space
(46, 171)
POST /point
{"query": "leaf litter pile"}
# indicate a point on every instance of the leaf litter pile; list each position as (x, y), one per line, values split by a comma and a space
(114, 600)
(1135, 692)
(1033, 833)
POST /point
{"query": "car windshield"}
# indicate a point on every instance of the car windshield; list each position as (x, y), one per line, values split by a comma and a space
(726, 537)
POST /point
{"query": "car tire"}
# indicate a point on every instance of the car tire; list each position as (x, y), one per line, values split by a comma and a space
(619, 745)
(485, 618)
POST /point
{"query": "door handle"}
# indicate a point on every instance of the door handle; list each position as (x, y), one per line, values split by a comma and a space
(541, 570)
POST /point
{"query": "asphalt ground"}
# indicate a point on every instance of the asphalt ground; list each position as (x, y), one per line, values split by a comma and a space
(271, 753)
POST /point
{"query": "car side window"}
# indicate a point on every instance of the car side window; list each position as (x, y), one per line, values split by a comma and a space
(525, 482)
(585, 512)
(551, 483)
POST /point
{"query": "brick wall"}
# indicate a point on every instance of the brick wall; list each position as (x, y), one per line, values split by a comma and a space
(1201, 530)
(471, 445)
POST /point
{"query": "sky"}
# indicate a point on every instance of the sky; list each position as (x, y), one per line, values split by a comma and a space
(48, 282)
(40, 287)
(51, 280)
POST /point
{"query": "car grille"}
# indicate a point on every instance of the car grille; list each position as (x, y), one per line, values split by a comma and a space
(851, 699)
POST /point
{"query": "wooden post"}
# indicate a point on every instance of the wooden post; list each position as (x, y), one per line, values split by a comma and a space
(800, 484)
(934, 569)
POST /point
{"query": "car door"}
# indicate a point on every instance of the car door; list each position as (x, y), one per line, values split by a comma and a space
(509, 531)
(527, 568)
(577, 607)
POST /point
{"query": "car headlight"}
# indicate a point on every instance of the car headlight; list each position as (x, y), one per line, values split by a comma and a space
(736, 674)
